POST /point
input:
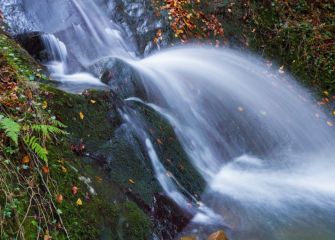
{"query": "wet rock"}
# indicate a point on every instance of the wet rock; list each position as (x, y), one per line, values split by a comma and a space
(219, 235)
(169, 218)
(123, 80)
(32, 42)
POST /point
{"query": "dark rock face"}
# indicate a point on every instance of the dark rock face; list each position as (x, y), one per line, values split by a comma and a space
(140, 23)
(33, 43)
(169, 218)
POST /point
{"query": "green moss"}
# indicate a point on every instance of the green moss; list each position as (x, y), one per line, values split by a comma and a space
(135, 225)
(102, 212)
(299, 36)
(95, 128)
(171, 152)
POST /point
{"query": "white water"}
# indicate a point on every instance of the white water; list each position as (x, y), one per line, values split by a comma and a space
(254, 136)
(251, 133)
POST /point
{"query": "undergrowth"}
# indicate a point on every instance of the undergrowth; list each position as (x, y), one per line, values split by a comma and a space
(27, 128)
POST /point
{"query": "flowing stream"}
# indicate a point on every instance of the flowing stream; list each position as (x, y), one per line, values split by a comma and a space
(257, 138)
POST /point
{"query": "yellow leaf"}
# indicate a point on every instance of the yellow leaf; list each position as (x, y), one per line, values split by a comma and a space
(334, 112)
(25, 159)
(79, 202)
(81, 115)
(64, 169)
(131, 181)
(47, 236)
(93, 101)
(45, 105)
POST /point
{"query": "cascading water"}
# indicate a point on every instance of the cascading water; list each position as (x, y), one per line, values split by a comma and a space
(252, 134)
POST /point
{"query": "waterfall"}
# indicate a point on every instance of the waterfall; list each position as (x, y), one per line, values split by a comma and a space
(256, 137)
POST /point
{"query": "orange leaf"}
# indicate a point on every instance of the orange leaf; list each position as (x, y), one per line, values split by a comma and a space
(59, 198)
(45, 169)
(25, 159)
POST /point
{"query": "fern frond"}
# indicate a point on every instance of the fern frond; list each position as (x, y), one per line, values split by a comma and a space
(46, 130)
(35, 146)
(57, 123)
(11, 128)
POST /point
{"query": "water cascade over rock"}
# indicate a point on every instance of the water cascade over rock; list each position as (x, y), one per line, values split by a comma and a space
(252, 135)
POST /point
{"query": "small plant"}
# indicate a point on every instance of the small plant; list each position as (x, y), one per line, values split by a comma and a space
(11, 128)
(33, 143)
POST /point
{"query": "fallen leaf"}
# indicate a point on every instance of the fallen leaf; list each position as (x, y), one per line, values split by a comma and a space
(45, 169)
(74, 190)
(87, 196)
(79, 202)
(98, 179)
(330, 124)
(131, 181)
(93, 101)
(45, 105)
(59, 198)
(159, 141)
(47, 236)
(64, 169)
(81, 115)
(25, 159)
(334, 112)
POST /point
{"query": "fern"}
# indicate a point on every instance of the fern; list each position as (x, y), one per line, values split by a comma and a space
(11, 128)
(35, 146)
(46, 130)
(57, 123)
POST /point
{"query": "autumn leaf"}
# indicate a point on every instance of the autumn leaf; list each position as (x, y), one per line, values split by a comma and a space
(74, 190)
(45, 105)
(45, 169)
(159, 141)
(81, 115)
(25, 159)
(64, 169)
(47, 236)
(59, 198)
(93, 101)
(131, 181)
(79, 202)
(98, 179)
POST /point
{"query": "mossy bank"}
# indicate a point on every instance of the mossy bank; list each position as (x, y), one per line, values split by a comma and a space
(60, 197)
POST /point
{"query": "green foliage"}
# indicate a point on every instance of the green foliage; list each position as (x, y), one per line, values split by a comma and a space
(11, 128)
(46, 130)
(137, 224)
(33, 143)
